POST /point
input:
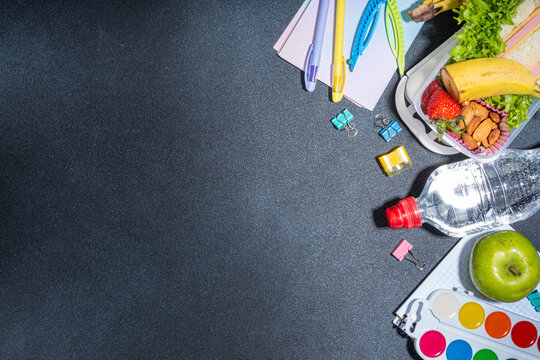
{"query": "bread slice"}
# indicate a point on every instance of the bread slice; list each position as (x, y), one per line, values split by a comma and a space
(523, 42)
(525, 10)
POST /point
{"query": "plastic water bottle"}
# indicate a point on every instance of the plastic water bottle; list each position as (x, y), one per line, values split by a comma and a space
(469, 196)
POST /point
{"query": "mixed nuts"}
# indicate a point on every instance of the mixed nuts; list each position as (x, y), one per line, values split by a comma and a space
(481, 125)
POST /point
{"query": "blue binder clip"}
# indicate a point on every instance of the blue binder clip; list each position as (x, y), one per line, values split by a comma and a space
(534, 298)
(390, 128)
(344, 120)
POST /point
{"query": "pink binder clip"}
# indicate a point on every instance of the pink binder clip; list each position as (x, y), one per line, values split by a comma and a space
(401, 251)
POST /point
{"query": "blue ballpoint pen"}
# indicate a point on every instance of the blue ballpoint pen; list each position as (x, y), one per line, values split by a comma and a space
(314, 53)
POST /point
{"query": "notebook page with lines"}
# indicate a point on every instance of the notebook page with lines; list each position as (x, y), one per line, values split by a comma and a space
(453, 272)
(375, 67)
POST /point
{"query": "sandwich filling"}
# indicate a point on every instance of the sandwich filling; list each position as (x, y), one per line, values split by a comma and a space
(524, 45)
(524, 11)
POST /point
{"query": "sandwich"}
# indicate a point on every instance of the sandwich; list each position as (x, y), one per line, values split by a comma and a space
(522, 39)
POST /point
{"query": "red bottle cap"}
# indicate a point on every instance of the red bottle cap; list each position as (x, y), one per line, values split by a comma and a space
(405, 214)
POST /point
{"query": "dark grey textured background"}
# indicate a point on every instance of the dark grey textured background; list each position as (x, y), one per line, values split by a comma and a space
(169, 191)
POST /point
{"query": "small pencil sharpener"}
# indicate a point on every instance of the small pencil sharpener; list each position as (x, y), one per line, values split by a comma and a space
(395, 161)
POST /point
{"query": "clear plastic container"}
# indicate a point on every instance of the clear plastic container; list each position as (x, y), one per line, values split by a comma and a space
(457, 144)
(468, 196)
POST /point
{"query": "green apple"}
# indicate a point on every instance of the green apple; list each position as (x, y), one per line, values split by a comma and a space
(505, 266)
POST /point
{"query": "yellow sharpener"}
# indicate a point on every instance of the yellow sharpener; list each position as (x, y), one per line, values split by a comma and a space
(395, 161)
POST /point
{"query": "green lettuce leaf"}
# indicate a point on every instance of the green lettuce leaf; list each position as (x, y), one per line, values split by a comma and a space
(481, 26)
(516, 106)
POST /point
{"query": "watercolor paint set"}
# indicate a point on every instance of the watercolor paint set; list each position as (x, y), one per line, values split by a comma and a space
(454, 325)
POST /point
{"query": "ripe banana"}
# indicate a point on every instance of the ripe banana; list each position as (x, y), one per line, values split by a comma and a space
(479, 78)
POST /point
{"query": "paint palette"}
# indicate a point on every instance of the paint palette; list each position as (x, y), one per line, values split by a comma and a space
(453, 325)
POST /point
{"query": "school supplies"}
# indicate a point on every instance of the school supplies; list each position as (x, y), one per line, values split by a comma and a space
(395, 161)
(452, 272)
(365, 30)
(534, 298)
(401, 251)
(390, 128)
(344, 121)
(314, 52)
(394, 32)
(338, 67)
(453, 325)
(374, 69)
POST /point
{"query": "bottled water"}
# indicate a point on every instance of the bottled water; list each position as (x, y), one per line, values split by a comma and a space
(469, 196)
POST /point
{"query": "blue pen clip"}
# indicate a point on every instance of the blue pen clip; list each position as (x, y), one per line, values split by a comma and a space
(366, 28)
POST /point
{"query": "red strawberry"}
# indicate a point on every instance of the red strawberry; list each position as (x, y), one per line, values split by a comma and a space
(442, 105)
(426, 95)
